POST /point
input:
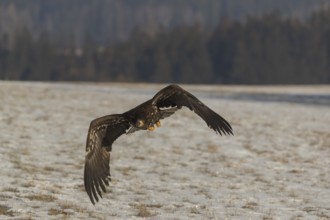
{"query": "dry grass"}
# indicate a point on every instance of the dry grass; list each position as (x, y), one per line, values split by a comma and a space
(317, 212)
(54, 211)
(212, 148)
(41, 197)
(208, 171)
(65, 210)
(127, 170)
(139, 158)
(16, 160)
(194, 210)
(28, 184)
(10, 189)
(70, 206)
(25, 151)
(177, 150)
(5, 210)
(52, 169)
(205, 193)
(143, 209)
(250, 205)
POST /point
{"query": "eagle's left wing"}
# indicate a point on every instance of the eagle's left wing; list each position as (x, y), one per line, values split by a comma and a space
(102, 133)
(175, 96)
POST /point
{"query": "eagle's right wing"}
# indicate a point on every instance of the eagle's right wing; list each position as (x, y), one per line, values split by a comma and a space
(102, 133)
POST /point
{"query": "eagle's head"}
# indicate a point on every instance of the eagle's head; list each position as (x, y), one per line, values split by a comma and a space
(146, 125)
(140, 123)
(148, 121)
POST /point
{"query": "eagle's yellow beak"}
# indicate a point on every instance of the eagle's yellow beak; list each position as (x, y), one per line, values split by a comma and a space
(140, 123)
(151, 128)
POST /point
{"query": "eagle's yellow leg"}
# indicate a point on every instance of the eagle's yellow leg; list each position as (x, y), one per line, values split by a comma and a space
(151, 128)
(158, 124)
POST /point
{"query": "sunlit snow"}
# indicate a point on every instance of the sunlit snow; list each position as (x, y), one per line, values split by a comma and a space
(276, 166)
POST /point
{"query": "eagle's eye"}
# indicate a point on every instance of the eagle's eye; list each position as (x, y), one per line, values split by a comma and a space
(139, 123)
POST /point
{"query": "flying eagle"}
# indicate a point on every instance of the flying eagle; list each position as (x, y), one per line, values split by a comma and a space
(105, 130)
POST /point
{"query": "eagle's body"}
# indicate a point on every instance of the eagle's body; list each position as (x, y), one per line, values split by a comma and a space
(146, 111)
(105, 130)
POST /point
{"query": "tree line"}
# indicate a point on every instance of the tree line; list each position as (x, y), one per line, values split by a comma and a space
(113, 19)
(267, 49)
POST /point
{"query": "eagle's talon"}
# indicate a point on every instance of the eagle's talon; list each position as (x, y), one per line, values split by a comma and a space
(158, 124)
(151, 128)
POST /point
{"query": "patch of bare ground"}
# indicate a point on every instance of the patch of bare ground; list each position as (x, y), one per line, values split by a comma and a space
(6, 211)
(144, 210)
(41, 197)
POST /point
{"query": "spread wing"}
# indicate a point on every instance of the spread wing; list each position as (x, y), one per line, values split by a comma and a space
(175, 96)
(102, 133)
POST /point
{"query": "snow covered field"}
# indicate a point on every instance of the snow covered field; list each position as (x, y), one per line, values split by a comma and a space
(277, 166)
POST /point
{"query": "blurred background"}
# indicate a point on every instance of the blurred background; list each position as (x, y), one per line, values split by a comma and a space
(186, 41)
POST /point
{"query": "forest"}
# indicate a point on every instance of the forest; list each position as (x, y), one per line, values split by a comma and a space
(261, 49)
(113, 20)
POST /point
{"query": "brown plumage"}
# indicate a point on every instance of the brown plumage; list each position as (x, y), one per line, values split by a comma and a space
(105, 130)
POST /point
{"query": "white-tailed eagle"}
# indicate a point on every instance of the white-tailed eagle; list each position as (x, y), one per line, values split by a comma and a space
(105, 130)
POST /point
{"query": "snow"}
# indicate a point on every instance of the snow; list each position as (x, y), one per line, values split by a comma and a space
(276, 166)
